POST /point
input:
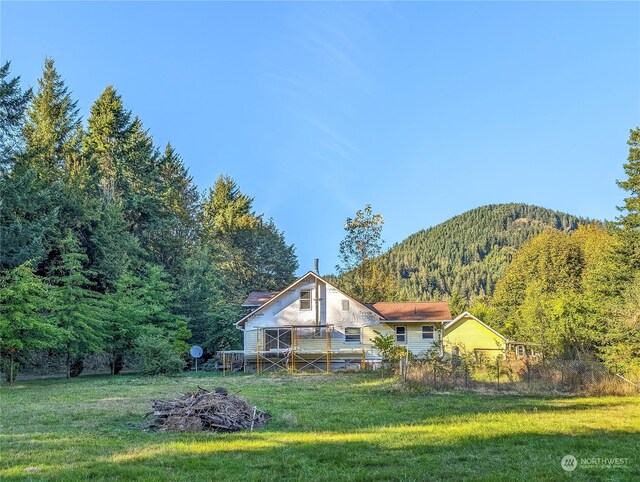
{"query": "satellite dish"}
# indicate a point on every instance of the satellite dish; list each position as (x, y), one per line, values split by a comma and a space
(196, 351)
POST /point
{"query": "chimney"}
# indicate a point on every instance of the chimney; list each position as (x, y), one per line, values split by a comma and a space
(317, 266)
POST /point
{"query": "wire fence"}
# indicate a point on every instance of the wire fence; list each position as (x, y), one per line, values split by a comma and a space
(516, 374)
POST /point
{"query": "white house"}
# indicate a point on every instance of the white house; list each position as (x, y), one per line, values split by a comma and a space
(311, 323)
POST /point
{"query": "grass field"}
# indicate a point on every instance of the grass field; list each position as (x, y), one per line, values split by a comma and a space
(335, 427)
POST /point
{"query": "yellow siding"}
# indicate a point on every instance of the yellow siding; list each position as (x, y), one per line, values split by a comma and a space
(469, 336)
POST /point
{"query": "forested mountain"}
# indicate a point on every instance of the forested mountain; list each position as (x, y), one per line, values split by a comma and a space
(467, 254)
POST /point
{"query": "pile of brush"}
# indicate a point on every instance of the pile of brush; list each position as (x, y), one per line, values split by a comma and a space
(206, 410)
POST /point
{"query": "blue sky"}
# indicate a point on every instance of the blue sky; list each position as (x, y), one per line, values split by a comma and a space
(424, 110)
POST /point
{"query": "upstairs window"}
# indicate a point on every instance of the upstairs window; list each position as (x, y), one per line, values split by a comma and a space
(427, 332)
(345, 305)
(401, 334)
(352, 335)
(305, 299)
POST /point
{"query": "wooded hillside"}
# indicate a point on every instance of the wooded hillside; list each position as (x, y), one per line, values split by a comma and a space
(467, 254)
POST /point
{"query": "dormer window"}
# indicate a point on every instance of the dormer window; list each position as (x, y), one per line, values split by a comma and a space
(305, 299)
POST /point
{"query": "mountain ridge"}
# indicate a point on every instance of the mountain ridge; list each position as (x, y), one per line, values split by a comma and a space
(468, 253)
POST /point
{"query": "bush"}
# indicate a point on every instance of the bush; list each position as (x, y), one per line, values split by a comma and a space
(156, 356)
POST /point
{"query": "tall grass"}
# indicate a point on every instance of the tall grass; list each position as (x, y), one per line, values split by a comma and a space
(525, 375)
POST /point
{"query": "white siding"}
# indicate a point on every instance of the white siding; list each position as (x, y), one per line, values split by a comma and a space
(285, 311)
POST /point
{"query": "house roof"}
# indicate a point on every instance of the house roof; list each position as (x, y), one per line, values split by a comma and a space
(412, 310)
(259, 298)
(467, 315)
(280, 293)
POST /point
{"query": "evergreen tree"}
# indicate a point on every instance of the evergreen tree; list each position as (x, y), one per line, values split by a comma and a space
(251, 253)
(125, 322)
(177, 222)
(158, 294)
(111, 248)
(227, 210)
(51, 127)
(106, 143)
(28, 217)
(13, 103)
(204, 300)
(117, 231)
(78, 311)
(630, 220)
(457, 304)
(24, 321)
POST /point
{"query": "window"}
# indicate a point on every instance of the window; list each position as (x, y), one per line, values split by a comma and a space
(520, 350)
(401, 334)
(352, 335)
(305, 299)
(345, 305)
(427, 332)
(277, 339)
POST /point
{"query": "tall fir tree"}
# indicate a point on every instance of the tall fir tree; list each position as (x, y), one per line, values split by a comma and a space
(13, 103)
(175, 227)
(79, 311)
(51, 126)
(630, 220)
(109, 129)
(226, 209)
(631, 208)
(251, 251)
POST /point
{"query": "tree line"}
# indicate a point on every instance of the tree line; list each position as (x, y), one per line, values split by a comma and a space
(568, 284)
(107, 246)
(577, 293)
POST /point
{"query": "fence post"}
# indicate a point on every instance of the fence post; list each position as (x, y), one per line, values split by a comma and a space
(466, 375)
(406, 366)
(498, 371)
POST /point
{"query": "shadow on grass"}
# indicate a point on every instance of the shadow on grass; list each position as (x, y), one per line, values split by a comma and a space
(338, 427)
(367, 455)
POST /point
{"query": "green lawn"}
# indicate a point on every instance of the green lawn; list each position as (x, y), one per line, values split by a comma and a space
(337, 427)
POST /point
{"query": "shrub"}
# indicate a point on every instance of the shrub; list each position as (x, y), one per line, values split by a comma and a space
(387, 347)
(157, 356)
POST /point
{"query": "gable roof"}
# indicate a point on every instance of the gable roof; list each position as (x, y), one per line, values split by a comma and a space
(242, 321)
(466, 314)
(259, 298)
(412, 310)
